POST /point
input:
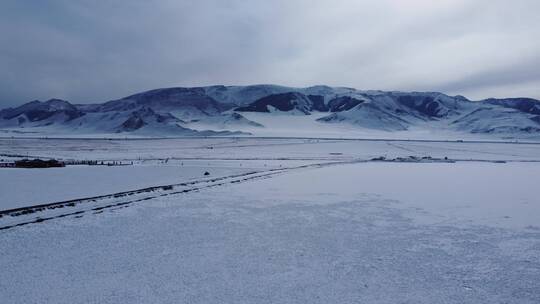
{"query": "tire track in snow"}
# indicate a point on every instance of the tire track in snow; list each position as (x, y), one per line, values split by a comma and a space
(29, 215)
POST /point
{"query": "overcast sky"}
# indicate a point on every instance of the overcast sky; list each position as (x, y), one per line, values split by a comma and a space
(93, 51)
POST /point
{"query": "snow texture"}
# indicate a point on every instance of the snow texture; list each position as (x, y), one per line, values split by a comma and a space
(370, 233)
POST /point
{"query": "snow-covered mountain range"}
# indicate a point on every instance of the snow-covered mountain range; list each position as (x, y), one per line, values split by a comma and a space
(243, 110)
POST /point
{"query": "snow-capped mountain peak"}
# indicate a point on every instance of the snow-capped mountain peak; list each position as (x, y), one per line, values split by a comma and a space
(174, 111)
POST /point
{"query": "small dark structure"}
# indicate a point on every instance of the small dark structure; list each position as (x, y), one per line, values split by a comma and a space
(206, 173)
(38, 163)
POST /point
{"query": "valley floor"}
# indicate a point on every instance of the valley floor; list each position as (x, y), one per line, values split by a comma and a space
(278, 221)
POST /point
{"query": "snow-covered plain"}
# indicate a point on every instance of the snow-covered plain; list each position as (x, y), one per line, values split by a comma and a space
(354, 231)
(27, 187)
(167, 161)
(261, 148)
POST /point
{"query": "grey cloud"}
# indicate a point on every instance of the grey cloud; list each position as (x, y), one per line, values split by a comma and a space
(87, 51)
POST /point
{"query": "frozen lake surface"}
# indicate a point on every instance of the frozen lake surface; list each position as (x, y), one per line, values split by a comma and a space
(351, 232)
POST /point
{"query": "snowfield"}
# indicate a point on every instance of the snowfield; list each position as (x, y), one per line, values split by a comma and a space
(159, 162)
(261, 148)
(278, 221)
(27, 187)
